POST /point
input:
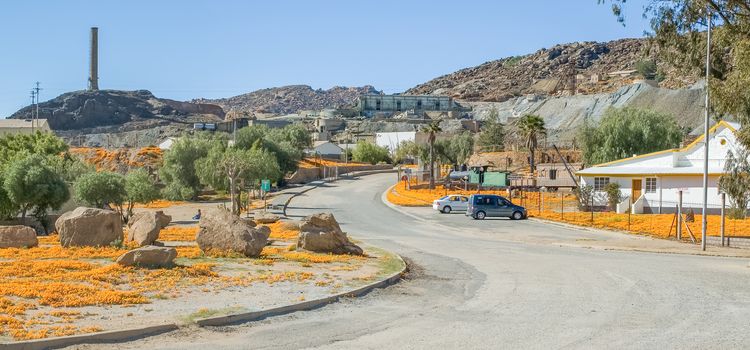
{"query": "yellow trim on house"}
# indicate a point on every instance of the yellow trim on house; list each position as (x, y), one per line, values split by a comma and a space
(647, 174)
(692, 144)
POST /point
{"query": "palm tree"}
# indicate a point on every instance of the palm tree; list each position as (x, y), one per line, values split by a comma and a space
(530, 127)
(431, 130)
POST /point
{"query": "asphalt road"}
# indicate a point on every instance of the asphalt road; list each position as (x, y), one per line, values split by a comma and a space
(499, 284)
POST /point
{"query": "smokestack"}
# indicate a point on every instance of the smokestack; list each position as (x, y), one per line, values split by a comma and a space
(94, 60)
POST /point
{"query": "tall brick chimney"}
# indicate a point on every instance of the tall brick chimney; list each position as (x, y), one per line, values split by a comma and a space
(94, 60)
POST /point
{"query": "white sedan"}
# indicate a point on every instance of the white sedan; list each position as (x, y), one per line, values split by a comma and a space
(451, 202)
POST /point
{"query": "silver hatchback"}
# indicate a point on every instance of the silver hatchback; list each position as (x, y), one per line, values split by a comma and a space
(451, 202)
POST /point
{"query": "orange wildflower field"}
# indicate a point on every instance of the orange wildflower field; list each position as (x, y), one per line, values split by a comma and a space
(562, 207)
(50, 290)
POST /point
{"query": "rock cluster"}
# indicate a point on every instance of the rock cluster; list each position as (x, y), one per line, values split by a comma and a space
(144, 227)
(17, 236)
(291, 99)
(551, 70)
(223, 231)
(322, 233)
(89, 227)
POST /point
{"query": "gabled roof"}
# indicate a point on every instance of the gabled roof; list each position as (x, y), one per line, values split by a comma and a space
(731, 126)
(608, 168)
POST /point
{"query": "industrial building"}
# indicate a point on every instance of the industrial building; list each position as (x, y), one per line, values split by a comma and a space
(386, 105)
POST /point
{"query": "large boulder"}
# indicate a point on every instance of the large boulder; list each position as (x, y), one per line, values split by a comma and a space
(220, 230)
(89, 227)
(266, 218)
(321, 233)
(149, 256)
(144, 227)
(17, 236)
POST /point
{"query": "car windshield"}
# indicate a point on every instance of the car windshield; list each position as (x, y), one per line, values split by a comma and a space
(442, 198)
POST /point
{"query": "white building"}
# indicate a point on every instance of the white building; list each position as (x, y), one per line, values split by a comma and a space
(326, 149)
(392, 140)
(23, 126)
(652, 182)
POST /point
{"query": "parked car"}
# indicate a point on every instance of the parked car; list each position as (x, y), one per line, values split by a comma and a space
(490, 205)
(452, 202)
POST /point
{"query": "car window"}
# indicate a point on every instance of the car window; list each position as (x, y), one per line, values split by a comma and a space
(454, 199)
(464, 199)
(489, 201)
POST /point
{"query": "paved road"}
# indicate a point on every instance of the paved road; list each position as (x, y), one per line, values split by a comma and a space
(479, 284)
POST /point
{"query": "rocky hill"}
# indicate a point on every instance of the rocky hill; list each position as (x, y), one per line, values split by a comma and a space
(567, 69)
(291, 99)
(80, 110)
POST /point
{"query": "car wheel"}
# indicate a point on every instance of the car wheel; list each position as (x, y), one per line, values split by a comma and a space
(517, 215)
(446, 209)
(480, 215)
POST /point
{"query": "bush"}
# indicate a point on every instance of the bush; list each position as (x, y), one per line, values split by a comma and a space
(614, 197)
(585, 196)
(101, 188)
(367, 152)
(646, 68)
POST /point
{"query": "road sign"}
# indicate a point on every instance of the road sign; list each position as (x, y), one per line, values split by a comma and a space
(265, 185)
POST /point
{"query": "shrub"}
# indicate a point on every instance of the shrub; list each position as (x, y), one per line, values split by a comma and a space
(614, 197)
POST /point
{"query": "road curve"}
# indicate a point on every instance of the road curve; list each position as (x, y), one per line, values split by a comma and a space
(480, 284)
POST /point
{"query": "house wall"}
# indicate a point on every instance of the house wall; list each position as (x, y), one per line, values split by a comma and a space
(666, 196)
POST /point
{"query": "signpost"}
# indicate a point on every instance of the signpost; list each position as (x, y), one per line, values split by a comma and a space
(265, 186)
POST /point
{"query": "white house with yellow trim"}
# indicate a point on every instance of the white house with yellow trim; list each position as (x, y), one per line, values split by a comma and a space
(652, 182)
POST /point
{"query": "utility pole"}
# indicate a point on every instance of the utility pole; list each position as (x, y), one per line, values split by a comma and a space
(33, 101)
(706, 136)
(36, 89)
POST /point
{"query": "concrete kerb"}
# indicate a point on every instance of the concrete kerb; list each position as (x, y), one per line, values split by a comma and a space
(90, 338)
(303, 306)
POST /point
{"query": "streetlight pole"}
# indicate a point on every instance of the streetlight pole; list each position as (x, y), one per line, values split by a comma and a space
(704, 219)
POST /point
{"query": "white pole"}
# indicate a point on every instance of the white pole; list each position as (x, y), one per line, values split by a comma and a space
(706, 136)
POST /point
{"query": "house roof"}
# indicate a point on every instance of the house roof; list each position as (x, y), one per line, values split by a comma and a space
(22, 123)
(613, 168)
(732, 126)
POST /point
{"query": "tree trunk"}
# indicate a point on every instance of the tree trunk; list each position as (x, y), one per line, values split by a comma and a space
(432, 164)
(231, 194)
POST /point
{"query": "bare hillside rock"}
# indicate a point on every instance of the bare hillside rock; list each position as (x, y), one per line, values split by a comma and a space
(89, 109)
(291, 99)
(552, 71)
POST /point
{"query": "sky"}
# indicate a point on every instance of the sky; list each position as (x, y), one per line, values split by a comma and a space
(189, 49)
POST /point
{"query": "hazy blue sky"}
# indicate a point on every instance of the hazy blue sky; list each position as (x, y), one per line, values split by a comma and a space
(187, 49)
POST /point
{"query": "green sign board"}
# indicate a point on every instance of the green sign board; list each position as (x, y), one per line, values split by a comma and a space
(265, 185)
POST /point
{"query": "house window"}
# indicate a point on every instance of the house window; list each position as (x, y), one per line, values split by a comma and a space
(600, 183)
(553, 174)
(650, 185)
(437, 105)
(377, 105)
(398, 106)
(419, 104)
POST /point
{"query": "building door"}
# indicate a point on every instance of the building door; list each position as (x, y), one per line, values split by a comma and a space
(636, 190)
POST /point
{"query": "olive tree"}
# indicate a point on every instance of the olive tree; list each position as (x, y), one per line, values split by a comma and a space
(28, 183)
(139, 188)
(735, 181)
(98, 189)
(368, 152)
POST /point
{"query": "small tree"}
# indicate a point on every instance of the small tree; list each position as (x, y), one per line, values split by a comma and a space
(30, 184)
(432, 130)
(492, 135)
(614, 197)
(585, 197)
(736, 182)
(646, 68)
(178, 171)
(101, 188)
(368, 152)
(139, 188)
(531, 127)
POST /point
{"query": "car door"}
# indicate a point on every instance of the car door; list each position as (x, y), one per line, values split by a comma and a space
(491, 205)
(504, 207)
(463, 203)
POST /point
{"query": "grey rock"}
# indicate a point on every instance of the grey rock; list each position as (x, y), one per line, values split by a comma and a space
(266, 218)
(322, 233)
(222, 231)
(17, 236)
(144, 227)
(149, 256)
(89, 227)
